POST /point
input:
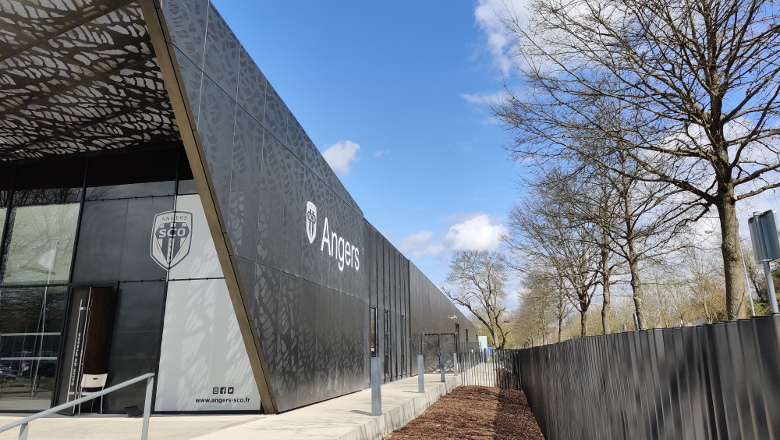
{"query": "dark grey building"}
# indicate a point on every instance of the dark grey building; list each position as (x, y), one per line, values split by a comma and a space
(161, 210)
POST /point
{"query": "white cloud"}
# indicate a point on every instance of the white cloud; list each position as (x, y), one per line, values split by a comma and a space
(488, 13)
(340, 155)
(473, 232)
(381, 153)
(416, 242)
(487, 98)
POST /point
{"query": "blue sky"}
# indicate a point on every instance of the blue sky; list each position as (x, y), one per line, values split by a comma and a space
(402, 81)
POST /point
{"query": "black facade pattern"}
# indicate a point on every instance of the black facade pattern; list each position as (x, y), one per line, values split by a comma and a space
(87, 83)
(310, 309)
(707, 382)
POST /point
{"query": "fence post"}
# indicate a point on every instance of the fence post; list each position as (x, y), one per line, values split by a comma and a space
(147, 408)
(376, 387)
(455, 363)
(420, 374)
(441, 366)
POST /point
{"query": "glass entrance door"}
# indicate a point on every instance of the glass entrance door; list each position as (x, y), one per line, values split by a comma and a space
(91, 318)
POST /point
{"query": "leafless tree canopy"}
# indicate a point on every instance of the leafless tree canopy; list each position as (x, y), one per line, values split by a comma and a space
(479, 279)
(694, 83)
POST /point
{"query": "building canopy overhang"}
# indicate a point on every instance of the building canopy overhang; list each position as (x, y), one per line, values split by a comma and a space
(78, 77)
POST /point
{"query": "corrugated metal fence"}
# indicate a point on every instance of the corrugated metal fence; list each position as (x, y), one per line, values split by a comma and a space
(719, 381)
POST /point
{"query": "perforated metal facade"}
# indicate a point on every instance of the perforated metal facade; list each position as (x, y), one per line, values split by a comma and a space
(122, 75)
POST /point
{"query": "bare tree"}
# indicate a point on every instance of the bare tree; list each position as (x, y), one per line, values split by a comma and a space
(544, 233)
(543, 306)
(699, 79)
(479, 278)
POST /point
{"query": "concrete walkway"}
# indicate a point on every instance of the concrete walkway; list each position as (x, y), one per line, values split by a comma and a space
(344, 418)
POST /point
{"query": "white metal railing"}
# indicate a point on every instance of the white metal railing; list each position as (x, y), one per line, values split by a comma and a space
(149, 377)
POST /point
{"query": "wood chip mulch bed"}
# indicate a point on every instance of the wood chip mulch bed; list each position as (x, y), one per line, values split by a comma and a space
(472, 412)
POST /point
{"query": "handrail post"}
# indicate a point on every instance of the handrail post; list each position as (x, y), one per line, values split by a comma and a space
(147, 407)
(23, 423)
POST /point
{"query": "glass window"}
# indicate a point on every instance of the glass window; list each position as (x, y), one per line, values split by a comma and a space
(135, 341)
(42, 222)
(39, 246)
(114, 240)
(31, 321)
(6, 178)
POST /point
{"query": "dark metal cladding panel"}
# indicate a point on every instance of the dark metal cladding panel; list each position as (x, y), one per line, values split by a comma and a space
(251, 86)
(363, 381)
(270, 227)
(244, 208)
(193, 78)
(264, 304)
(275, 118)
(328, 303)
(216, 128)
(296, 138)
(631, 385)
(221, 55)
(726, 370)
(315, 259)
(287, 312)
(674, 423)
(307, 344)
(336, 225)
(685, 430)
(294, 236)
(187, 20)
(739, 381)
(717, 409)
(314, 159)
(768, 339)
(753, 373)
(370, 264)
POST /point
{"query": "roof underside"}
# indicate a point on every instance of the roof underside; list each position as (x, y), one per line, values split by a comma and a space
(78, 76)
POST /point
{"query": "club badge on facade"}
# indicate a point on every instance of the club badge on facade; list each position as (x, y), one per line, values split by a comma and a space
(171, 238)
(311, 221)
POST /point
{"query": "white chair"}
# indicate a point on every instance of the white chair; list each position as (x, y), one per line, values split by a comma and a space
(93, 382)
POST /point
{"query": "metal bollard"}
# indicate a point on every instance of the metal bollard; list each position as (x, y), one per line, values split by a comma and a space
(441, 366)
(25, 428)
(455, 363)
(420, 374)
(376, 387)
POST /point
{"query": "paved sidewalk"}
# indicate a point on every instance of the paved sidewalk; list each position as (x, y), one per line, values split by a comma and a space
(345, 418)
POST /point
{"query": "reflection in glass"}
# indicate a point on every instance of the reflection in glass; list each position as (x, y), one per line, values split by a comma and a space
(30, 327)
(39, 246)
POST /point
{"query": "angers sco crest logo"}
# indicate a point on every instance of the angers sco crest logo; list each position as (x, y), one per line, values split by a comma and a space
(171, 238)
(311, 221)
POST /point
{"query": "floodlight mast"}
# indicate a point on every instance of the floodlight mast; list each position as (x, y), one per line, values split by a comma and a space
(766, 247)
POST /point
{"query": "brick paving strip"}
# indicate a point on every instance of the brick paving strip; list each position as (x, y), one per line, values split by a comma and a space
(473, 412)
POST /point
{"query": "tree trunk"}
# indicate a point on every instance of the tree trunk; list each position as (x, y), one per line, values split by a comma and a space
(560, 327)
(584, 322)
(636, 286)
(732, 258)
(605, 270)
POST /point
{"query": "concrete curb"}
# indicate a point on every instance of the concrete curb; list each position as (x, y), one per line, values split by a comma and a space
(396, 418)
